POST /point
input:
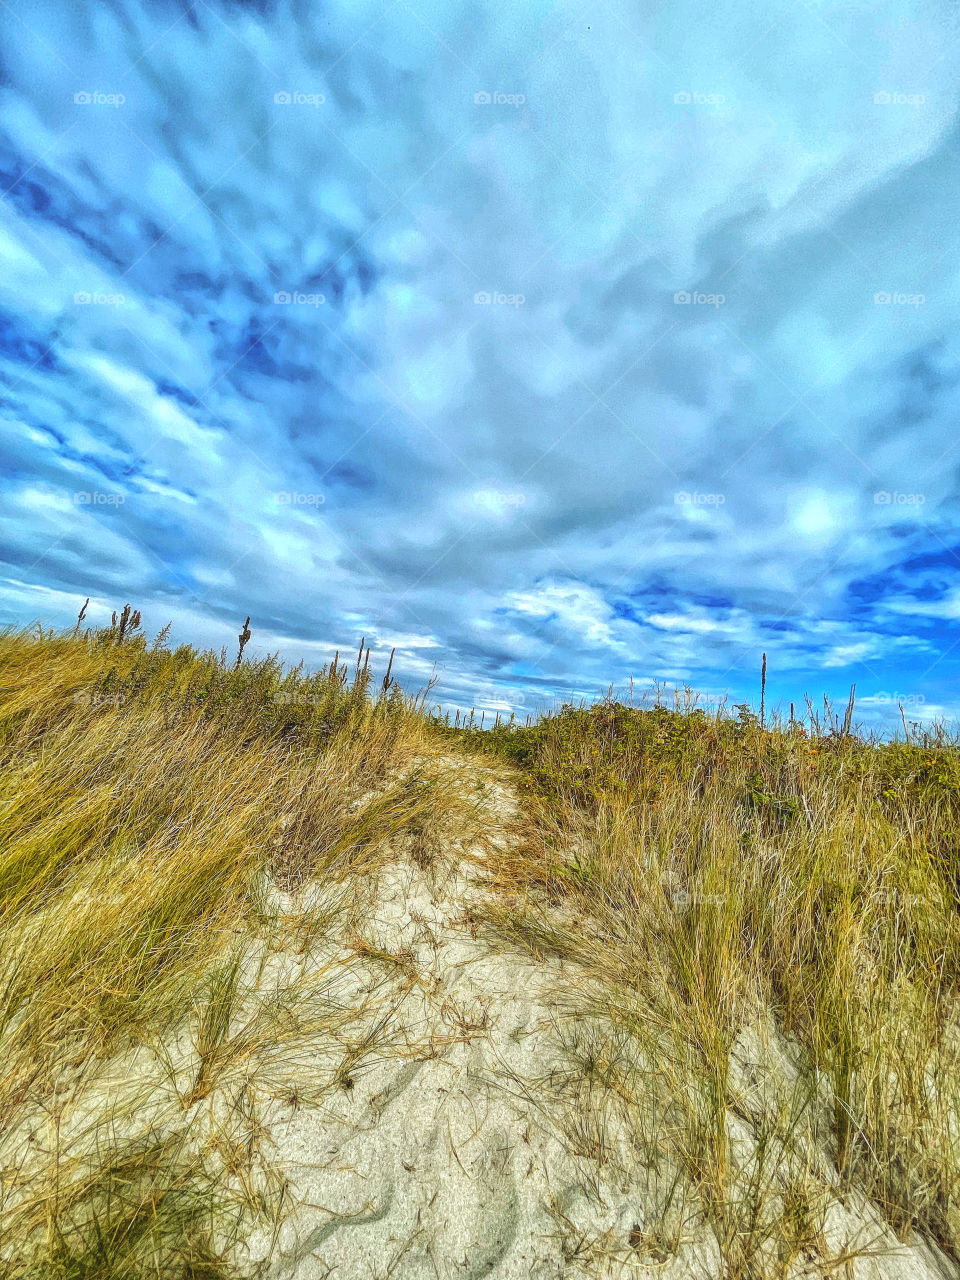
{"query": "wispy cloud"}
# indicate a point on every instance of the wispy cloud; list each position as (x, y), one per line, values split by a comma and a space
(554, 346)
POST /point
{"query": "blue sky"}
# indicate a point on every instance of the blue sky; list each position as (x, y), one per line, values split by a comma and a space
(553, 344)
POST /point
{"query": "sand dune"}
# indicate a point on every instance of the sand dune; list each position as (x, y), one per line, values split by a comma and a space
(476, 1147)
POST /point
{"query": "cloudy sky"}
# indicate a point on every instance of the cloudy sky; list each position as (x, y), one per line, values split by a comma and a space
(552, 343)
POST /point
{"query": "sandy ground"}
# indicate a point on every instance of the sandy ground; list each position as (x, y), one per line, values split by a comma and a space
(471, 1145)
(425, 1102)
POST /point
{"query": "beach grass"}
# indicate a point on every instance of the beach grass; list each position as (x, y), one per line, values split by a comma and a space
(721, 878)
(763, 917)
(152, 805)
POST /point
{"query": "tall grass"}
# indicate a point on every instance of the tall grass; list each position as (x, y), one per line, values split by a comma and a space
(768, 918)
(150, 804)
(712, 873)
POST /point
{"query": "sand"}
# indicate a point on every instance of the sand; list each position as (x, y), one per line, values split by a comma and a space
(466, 1112)
(474, 1146)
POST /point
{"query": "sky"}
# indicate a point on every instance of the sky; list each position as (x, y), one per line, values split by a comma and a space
(553, 344)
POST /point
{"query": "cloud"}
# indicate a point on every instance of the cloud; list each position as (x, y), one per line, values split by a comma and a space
(574, 610)
(301, 296)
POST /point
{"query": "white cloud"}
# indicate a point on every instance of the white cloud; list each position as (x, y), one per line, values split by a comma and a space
(577, 609)
(597, 398)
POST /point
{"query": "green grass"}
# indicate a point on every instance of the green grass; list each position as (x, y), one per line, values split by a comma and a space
(145, 1209)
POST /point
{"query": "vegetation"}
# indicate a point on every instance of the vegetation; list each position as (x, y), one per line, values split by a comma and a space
(151, 802)
(719, 883)
(713, 874)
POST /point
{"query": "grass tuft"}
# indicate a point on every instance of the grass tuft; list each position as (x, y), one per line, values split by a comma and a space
(155, 807)
(712, 874)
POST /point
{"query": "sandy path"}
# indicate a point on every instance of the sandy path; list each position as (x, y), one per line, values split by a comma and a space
(478, 1150)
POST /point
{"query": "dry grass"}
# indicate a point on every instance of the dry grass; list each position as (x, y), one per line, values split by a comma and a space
(153, 806)
(765, 924)
(707, 874)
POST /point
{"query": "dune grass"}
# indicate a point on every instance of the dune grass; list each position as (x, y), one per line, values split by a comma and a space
(766, 917)
(152, 804)
(719, 878)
